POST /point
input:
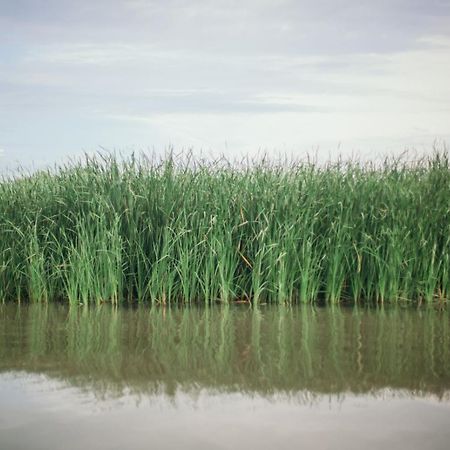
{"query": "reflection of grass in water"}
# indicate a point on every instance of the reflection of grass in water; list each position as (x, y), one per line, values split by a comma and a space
(264, 350)
(169, 232)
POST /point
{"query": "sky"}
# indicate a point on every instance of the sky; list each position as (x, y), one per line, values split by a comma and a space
(280, 77)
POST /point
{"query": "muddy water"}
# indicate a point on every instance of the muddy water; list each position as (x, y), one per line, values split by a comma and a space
(224, 378)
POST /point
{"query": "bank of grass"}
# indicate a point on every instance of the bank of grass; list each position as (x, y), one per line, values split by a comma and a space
(185, 231)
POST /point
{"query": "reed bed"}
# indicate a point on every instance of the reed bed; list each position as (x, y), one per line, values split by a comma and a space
(180, 230)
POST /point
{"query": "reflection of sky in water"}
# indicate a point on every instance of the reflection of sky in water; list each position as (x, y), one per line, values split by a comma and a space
(207, 378)
(38, 412)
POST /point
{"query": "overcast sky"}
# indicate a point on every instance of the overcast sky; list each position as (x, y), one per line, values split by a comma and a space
(232, 77)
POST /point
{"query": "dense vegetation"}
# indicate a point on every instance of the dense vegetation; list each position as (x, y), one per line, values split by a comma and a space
(169, 231)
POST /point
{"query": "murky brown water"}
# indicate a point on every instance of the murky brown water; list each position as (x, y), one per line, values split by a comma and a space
(219, 378)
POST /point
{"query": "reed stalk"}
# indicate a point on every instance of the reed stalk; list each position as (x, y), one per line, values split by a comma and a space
(108, 230)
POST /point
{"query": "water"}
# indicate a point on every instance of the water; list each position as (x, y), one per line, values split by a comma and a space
(224, 378)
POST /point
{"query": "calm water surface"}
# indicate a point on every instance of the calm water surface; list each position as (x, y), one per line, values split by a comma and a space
(224, 378)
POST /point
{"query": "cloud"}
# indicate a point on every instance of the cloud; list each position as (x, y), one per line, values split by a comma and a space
(288, 27)
(256, 73)
(81, 54)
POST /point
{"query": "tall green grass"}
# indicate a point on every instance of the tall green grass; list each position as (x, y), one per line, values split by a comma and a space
(185, 231)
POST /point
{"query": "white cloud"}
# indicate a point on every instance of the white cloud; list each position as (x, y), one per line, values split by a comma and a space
(230, 76)
(87, 54)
